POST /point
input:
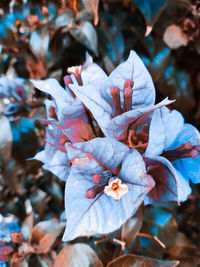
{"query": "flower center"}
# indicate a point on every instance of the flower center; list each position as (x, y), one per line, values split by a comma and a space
(138, 140)
(116, 189)
(114, 186)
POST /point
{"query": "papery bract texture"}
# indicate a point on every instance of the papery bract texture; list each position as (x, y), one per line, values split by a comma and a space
(96, 96)
(102, 214)
(184, 148)
(12, 87)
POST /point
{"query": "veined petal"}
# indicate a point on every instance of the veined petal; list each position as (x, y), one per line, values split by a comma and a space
(156, 135)
(184, 189)
(8, 87)
(134, 69)
(167, 185)
(133, 170)
(54, 160)
(189, 167)
(104, 214)
(173, 123)
(91, 71)
(120, 124)
(97, 101)
(59, 94)
(49, 103)
(107, 152)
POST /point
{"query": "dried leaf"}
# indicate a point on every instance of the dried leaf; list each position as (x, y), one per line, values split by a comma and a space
(174, 37)
(161, 224)
(182, 247)
(27, 227)
(47, 241)
(44, 227)
(140, 261)
(21, 263)
(77, 255)
(16, 237)
(132, 227)
(39, 41)
(45, 261)
(92, 7)
(86, 34)
(5, 138)
(64, 19)
(103, 248)
(49, 226)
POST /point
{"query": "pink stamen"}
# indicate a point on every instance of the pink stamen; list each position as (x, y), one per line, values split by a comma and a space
(93, 191)
(76, 70)
(96, 178)
(184, 151)
(115, 93)
(128, 83)
(102, 178)
(52, 113)
(68, 80)
(128, 92)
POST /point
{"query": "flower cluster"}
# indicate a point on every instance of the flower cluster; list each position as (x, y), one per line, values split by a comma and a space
(114, 146)
(14, 90)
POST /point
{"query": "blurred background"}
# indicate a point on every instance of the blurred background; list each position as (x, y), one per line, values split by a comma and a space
(41, 39)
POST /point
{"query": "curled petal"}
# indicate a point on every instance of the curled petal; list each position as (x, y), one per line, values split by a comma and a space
(167, 184)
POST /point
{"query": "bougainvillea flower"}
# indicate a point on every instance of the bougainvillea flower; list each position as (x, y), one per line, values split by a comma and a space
(167, 183)
(66, 121)
(107, 97)
(54, 155)
(182, 147)
(123, 106)
(98, 165)
(12, 88)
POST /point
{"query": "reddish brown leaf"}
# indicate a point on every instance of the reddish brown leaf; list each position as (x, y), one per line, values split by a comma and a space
(44, 227)
(16, 237)
(47, 241)
(132, 227)
(45, 261)
(92, 7)
(21, 263)
(27, 227)
(77, 255)
(140, 261)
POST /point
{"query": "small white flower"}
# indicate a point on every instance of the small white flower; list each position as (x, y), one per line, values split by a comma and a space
(116, 189)
(75, 69)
